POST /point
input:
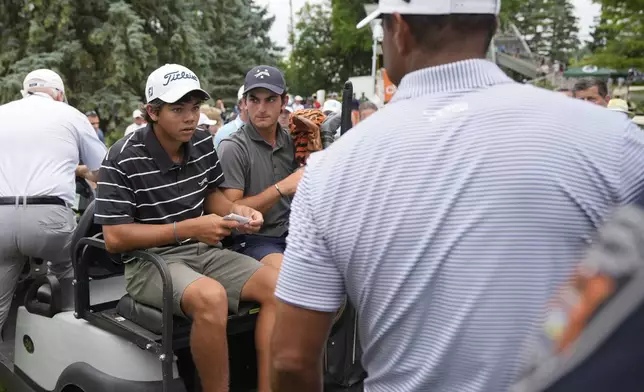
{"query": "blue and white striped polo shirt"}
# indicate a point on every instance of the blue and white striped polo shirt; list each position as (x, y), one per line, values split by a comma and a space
(450, 216)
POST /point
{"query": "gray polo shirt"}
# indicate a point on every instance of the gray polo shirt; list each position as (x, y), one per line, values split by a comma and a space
(253, 165)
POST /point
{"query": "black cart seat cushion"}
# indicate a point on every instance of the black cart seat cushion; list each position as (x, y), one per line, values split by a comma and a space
(151, 318)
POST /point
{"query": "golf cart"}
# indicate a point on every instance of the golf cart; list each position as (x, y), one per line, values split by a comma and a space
(87, 335)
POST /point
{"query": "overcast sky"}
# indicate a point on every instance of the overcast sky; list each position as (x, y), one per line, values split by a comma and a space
(586, 11)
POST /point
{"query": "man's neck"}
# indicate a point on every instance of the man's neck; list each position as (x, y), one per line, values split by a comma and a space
(421, 60)
(172, 147)
(269, 134)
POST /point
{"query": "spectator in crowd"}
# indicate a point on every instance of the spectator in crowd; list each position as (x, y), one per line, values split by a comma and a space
(213, 114)
(139, 122)
(220, 105)
(297, 105)
(284, 117)
(450, 216)
(592, 90)
(316, 103)
(366, 109)
(93, 118)
(206, 124)
(234, 125)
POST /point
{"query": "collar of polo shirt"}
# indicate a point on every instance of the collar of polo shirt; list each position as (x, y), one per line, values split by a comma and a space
(160, 156)
(255, 136)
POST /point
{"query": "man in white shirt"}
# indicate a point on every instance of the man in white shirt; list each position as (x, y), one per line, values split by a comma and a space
(234, 125)
(38, 162)
(139, 122)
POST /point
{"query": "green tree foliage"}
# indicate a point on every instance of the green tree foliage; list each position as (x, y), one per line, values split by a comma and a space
(328, 49)
(548, 26)
(618, 37)
(104, 49)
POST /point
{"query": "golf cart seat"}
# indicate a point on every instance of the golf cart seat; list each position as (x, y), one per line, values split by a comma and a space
(152, 329)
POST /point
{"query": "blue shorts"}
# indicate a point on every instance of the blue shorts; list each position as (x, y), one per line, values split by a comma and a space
(259, 246)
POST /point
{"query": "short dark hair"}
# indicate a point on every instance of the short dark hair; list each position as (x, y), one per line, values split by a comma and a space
(562, 90)
(586, 83)
(367, 106)
(427, 29)
(157, 104)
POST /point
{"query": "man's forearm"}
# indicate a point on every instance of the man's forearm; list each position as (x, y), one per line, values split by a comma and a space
(262, 202)
(309, 380)
(133, 236)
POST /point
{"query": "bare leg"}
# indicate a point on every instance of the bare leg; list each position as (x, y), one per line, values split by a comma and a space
(206, 302)
(261, 288)
(273, 260)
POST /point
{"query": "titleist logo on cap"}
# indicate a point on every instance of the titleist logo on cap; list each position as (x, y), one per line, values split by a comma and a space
(176, 75)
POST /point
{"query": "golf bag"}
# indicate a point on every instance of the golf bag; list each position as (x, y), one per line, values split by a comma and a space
(342, 367)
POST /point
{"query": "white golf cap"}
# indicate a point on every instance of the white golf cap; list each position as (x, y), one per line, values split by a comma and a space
(240, 93)
(203, 119)
(432, 7)
(171, 82)
(332, 105)
(137, 114)
(43, 78)
(298, 98)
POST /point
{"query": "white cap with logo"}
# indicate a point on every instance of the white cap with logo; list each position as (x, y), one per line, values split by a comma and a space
(171, 82)
(137, 114)
(240, 94)
(42, 78)
(432, 7)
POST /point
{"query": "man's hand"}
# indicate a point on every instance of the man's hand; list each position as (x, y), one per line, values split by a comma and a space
(211, 229)
(256, 218)
(288, 186)
(82, 171)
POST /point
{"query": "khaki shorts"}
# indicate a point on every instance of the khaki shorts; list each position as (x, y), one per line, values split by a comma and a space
(188, 263)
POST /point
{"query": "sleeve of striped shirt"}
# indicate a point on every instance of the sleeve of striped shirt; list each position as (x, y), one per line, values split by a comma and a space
(632, 164)
(215, 174)
(233, 164)
(115, 201)
(309, 277)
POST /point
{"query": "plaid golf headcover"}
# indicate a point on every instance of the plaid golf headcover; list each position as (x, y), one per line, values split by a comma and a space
(304, 126)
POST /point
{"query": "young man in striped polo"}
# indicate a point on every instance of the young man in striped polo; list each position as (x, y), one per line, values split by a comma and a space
(159, 190)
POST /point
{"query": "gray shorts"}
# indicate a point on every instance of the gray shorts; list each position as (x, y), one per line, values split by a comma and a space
(188, 263)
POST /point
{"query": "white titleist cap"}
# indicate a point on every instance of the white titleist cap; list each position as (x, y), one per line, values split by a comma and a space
(171, 82)
(137, 114)
(43, 78)
(433, 7)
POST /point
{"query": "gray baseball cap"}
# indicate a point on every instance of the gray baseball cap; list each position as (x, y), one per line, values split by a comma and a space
(266, 77)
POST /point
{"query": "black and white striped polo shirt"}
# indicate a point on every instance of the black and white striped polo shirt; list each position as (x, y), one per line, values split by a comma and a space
(139, 182)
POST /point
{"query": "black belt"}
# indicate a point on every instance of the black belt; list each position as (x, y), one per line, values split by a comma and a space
(42, 200)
